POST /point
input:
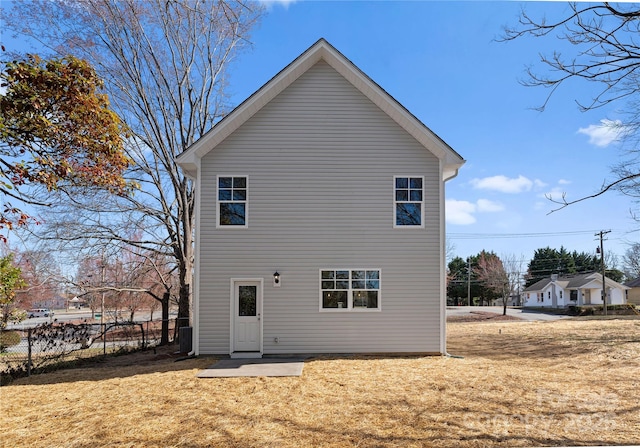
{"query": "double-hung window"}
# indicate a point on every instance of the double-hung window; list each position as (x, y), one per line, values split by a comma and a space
(232, 201)
(408, 202)
(350, 289)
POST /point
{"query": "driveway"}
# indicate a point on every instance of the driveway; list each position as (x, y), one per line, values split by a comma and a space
(517, 312)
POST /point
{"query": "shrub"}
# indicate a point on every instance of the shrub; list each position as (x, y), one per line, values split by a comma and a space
(8, 339)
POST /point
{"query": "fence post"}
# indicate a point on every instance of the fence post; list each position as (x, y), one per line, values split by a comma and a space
(29, 352)
(142, 331)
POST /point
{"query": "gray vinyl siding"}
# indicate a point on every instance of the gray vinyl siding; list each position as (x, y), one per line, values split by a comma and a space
(320, 160)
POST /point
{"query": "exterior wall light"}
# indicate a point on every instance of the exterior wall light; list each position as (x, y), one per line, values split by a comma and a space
(276, 279)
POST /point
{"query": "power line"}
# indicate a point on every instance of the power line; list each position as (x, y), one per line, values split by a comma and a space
(471, 236)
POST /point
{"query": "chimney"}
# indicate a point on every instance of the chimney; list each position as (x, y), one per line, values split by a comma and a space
(554, 277)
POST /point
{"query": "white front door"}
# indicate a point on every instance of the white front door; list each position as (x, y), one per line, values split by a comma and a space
(247, 327)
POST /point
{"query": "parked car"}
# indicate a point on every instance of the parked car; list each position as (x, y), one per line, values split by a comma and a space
(39, 312)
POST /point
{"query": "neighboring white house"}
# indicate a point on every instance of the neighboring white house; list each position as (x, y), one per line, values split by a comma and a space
(633, 294)
(578, 290)
(319, 219)
(514, 300)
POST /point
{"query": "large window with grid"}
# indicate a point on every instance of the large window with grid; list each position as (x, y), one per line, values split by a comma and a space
(349, 289)
(408, 201)
(232, 201)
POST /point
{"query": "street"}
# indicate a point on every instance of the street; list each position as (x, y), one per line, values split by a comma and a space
(66, 316)
(526, 314)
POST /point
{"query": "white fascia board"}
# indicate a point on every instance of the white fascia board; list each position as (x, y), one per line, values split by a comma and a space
(613, 284)
(190, 166)
(450, 171)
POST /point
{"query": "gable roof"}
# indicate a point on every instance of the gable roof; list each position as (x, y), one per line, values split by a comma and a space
(574, 282)
(633, 283)
(321, 50)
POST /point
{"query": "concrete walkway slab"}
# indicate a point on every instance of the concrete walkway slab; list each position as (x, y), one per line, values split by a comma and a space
(231, 368)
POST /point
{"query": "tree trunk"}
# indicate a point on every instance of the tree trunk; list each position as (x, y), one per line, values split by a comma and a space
(164, 332)
(183, 306)
(185, 268)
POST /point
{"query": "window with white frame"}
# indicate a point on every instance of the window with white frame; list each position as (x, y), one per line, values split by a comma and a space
(232, 201)
(350, 289)
(408, 201)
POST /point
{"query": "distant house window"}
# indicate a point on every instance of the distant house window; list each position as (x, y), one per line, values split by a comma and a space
(561, 294)
(349, 289)
(542, 297)
(408, 202)
(232, 201)
(549, 295)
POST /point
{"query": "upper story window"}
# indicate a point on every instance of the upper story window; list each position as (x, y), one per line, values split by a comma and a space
(232, 201)
(408, 202)
(350, 289)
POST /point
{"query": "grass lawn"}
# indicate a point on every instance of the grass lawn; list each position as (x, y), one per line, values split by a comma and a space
(520, 384)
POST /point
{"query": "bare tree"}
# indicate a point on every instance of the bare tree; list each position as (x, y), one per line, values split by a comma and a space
(499, 274)
(631, 260)
(165, 67)
(42, 276)
(607, 54)
(144, 281)
(129, 280)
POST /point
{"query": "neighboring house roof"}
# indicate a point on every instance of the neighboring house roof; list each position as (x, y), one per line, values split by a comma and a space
(633, 283)
(538, 286)
(321, 50)
(574, 282)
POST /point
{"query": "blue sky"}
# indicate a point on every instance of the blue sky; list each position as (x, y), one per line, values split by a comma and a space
(441, 61)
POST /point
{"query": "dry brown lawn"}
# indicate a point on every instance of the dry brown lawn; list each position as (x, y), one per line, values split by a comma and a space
(519, 384)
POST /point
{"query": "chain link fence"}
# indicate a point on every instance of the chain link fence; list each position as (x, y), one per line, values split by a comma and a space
(50, 346)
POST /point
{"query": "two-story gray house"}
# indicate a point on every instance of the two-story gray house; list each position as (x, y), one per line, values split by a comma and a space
(320, 219)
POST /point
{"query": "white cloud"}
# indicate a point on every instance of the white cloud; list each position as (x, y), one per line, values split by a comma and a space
(539, 184)
(605, 133)
(485, 205)
(555, 193)
(505, 184)
(564, 182)
(462, 212)
(284, 3)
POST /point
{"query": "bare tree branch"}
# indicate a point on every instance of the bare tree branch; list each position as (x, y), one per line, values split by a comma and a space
(564, 203)
(606, 53)
(165, 66)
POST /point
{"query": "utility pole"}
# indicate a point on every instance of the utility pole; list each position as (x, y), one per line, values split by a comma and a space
(469, 281)
(103, 324)
(601, 234)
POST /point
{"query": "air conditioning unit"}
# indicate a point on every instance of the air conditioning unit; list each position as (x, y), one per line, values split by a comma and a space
(185, 336)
